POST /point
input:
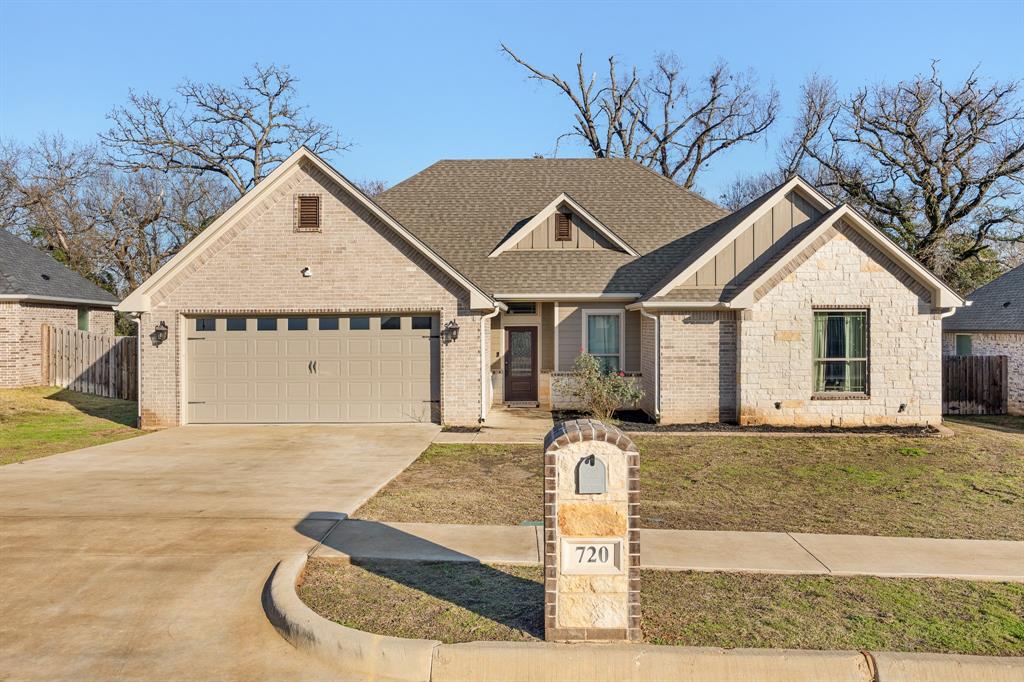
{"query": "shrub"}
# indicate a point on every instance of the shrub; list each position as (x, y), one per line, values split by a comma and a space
(599, 392)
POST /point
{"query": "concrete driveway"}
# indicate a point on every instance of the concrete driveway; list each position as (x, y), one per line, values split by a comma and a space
(146, 558)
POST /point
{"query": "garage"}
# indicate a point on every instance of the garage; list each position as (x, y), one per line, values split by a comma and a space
(324, 368)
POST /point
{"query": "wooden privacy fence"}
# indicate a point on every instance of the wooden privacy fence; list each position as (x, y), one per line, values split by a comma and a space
(974, 384)
(90, 363)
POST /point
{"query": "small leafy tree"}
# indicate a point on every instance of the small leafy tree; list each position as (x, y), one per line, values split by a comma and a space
(601, 393)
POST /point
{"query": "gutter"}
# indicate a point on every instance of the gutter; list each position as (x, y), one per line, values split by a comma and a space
(484, 379)
(137, 319)
(58, 299)
(657, 361)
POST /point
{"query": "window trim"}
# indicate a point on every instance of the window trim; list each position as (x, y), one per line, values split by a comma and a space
(956, 345)
(622, 334)
(840, 395)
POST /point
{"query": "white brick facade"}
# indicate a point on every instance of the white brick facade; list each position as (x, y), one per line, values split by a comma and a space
(20, 336)
(904, 338)
(1010, 344)
(358, 265)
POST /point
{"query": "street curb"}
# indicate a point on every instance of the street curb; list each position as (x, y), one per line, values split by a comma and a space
(378, 657)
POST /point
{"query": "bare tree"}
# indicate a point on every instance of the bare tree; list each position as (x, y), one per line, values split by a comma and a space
(371, 188)
(240, 133)
(662, 120)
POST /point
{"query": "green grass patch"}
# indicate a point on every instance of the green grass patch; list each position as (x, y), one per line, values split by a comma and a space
(461, 602)
(40, 421)
(968, 486)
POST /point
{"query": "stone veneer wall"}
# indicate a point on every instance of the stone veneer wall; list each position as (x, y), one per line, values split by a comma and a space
(358, 264)
(21, 331)
(1010, 344)
(698, 367)
(841, 270)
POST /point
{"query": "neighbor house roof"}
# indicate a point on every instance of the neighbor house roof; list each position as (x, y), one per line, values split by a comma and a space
(997, 306)
(464, 209)
(28, 274)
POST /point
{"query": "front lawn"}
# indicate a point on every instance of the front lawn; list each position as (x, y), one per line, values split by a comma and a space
(969, 486)
(460, 602)
(40, 421)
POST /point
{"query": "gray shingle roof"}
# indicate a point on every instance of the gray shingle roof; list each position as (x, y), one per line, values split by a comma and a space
(25, 271)
(463, 209)
(997, 306)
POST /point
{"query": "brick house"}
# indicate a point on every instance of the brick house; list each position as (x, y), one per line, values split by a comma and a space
(36, 290)
(993, 325)
(475, 283)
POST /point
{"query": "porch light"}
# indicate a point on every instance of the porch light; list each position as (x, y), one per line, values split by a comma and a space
(159, 334)
(450, 331)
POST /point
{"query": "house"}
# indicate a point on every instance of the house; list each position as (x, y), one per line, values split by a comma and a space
(36, 290)
(476, 283)
(993, 325)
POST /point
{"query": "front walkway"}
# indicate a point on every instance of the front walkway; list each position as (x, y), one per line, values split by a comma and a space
(505, 425)
(146, 558)
(690, 550)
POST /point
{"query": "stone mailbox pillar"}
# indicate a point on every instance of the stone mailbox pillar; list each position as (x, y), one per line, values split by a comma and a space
(591, 534)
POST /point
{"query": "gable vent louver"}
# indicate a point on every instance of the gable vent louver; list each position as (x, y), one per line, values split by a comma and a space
(307, 213)
(563, 227)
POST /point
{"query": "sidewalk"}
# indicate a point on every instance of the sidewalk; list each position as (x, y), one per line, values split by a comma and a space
(694, 550)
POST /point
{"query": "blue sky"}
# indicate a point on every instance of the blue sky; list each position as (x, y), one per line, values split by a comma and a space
(410, 83)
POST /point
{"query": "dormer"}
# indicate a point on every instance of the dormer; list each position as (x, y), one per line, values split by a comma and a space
(563, 225)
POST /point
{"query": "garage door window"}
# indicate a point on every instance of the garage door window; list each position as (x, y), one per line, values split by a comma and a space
(206, 324)
(390, 323)
(266, 324)
(236, 324)
(358, 323)
(329, 324)
(421, 323)
(298, 324)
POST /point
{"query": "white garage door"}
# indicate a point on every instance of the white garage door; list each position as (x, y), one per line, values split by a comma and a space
(377, 368)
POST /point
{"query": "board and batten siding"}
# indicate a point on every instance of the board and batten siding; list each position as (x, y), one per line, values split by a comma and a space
(570, 334)
(790, 212)
(584, 237)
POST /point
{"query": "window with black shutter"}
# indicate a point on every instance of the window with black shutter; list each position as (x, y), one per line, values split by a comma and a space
(307, 213)
(563, 227)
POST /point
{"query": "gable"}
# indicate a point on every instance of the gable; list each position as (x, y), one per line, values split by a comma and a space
(268, 192)
(542, 231)
(737, 257)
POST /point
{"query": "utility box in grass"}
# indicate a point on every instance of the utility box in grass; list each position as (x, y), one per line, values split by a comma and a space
(591, 534)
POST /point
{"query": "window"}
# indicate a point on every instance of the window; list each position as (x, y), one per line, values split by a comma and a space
(522, 308)
(421, 323)
(390, 323)
(964, 344)
(83, 319)
(841, 351)
(206, 324)
(358, 323)
(603, 338)
(563, 227)
(329, 324)
(266, 324)
(307, 213)
(236, 324)
(298, 324)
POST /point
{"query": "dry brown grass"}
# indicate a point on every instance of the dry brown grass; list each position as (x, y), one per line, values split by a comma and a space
(970, 486)
(460, 602)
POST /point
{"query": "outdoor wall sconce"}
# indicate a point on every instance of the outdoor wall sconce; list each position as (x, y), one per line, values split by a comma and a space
(778, 404)
(450, 331)
(159, 334)
(306, 272)
(903, 407)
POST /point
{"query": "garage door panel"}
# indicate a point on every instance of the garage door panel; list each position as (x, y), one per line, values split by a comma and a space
(359, 375)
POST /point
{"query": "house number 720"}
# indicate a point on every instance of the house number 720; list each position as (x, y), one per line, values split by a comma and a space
(590, 554)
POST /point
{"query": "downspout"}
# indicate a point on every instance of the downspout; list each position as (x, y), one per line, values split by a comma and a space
(657, 362)
(137, 319)
(485, 380)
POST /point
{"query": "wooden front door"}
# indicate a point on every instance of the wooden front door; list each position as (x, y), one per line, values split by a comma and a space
(520, 364)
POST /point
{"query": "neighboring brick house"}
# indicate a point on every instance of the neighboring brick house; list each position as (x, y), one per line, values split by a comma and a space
(476, 283)
(993, 324)
(36, 290)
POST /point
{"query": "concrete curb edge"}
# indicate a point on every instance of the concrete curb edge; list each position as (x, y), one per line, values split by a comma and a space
(380, 657)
